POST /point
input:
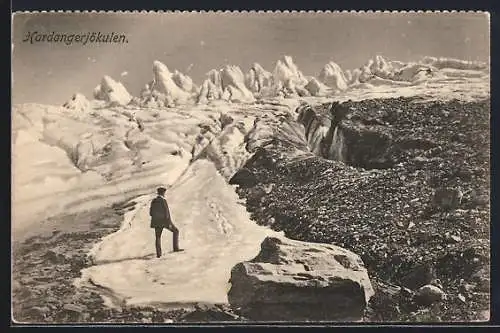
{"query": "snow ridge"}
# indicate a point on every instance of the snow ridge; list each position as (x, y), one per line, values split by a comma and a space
(231, 84)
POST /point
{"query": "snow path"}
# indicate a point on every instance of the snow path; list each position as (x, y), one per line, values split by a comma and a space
(215, 231)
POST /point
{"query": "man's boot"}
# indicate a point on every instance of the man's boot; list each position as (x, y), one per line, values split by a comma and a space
(158, 243)
(176, 240)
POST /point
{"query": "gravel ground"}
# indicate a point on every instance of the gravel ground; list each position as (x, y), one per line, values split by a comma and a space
(45, 266)
(385, 215)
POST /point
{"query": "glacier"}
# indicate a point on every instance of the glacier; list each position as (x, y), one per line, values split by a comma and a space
(190, 138)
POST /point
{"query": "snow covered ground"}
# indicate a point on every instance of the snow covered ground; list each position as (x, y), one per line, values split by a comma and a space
(215, 231)
(92, 153)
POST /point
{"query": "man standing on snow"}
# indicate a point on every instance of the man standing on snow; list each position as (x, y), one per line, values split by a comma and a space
(160, 218)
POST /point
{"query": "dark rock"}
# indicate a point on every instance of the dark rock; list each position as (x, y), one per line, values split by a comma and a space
(418, 276)
(244, 178)
(349, 141)
(210, 313)
(225, 120)
(416, 143)
(53, 257)
(388, 301)
(73, 307)
(482, 280)
(261, 159)
(71, 313)
(293, 280)
(37, 313)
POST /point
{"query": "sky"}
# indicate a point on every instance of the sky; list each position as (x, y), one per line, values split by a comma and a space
(194, 43)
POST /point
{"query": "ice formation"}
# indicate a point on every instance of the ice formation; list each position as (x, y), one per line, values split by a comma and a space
(183, 81)
(167, 89)
(230, 84)
(233, 85)
(333, 76)
(441, 63)
(258, 79)
(316, 88)
(112, 92)
(288, 79)
(78, 102)
(209, 91)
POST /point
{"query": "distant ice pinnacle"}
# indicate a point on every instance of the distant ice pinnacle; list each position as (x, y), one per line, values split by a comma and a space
(229, 83)
(112, 92)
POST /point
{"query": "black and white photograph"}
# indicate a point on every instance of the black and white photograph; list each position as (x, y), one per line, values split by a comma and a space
(250, 167)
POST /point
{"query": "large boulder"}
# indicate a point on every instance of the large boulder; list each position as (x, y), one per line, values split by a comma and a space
(294, 280)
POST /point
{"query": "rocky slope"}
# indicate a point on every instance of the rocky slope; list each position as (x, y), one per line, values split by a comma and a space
(383, 212)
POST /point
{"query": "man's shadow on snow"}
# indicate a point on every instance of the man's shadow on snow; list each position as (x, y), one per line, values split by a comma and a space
(105, 262)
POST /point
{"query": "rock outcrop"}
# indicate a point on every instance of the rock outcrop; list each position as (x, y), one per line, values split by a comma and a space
(294, 280)
(244, 178)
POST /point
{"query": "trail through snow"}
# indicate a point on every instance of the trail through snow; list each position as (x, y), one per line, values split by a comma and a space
(215, 231)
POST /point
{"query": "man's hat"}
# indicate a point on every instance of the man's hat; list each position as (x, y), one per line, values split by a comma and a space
(161, 190)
